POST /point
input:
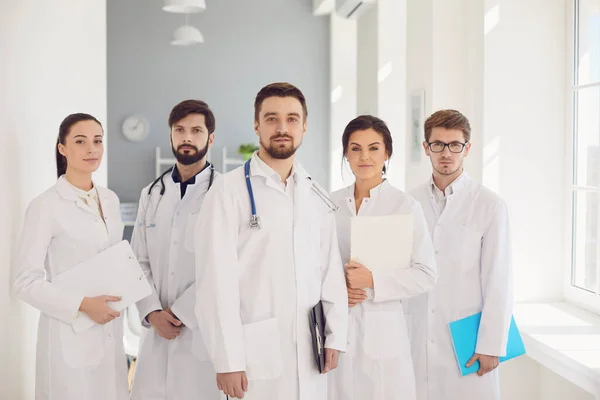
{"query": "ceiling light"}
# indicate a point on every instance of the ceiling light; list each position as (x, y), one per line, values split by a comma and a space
(186, 35)
(184, 6)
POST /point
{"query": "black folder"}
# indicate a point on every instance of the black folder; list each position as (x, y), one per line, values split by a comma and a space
(317, 331)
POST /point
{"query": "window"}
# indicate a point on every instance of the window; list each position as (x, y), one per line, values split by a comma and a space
(585, 183)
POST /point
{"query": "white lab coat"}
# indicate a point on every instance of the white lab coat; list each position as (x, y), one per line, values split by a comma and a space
(162, 240)
(257, 286)
(378, 364)
(472, 244)
(59, 232)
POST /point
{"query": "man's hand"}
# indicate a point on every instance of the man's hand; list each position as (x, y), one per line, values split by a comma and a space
(331, 359)
(174, 316)
(233, 384)
(165, 324)
(358, 276)
(486, 363)
(356, 296)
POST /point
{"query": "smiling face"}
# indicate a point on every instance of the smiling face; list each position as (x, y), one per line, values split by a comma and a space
(83, 147)
(280, 126)
(366, 154)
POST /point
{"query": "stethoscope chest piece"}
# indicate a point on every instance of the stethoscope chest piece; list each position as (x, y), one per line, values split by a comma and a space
(254, 221)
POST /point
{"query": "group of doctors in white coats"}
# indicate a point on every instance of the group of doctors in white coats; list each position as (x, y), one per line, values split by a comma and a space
(237, 261)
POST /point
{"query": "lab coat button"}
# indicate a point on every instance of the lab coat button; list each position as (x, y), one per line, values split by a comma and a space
(110, 335)
(433, 311)
(437, 252)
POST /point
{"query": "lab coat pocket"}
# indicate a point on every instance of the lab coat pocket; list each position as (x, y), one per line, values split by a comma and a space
(263, 350)
(190, 228)
(83, 349)
(384, 332)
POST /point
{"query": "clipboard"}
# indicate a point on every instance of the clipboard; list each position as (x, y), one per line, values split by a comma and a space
(114, 272)
(382, 242)
(317, 331)
(464, 339)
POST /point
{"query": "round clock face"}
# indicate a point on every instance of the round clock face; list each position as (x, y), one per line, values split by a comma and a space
(135, 128)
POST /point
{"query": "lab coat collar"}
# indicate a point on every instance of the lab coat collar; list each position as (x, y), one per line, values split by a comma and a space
(373, 193)
(66, 191)
(196, 182)
(455, 187)
(259, 168)
(203, 174)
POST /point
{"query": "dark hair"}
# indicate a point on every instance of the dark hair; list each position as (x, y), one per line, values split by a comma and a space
(63, 132)
(364, 122)
(279, 89)
(187, 107)
(449, 119)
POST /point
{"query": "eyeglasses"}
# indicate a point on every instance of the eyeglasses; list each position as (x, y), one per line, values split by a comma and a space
(439, 147)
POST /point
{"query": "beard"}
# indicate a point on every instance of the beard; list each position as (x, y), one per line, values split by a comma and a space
(279, 151)
(190, 155)
(447, 171)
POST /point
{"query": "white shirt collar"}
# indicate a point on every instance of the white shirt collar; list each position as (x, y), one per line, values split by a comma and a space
(269, 172)
(455, 186)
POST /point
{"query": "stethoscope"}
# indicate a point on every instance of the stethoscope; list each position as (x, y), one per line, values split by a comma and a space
(255, 221)
(160, 180)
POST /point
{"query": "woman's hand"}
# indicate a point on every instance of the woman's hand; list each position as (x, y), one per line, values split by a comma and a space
(98, 310)
(358, 276)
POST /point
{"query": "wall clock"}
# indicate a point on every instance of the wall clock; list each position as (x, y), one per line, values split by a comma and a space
(135, 128)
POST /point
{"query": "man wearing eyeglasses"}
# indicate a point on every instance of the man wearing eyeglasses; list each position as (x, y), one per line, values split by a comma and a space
(469, 227)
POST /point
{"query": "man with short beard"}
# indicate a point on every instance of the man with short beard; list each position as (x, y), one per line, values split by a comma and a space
(469, 228)
(173, 363)
(269, 255)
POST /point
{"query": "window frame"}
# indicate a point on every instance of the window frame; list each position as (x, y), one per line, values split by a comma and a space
(573, 294)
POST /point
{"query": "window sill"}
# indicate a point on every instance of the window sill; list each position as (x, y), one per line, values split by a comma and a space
(564, 339)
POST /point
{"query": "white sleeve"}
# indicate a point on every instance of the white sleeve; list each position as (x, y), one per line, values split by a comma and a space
(140, 249)
(29, 282)
(217, 280)
(184, 307)
(334, 295)
(496, 284)
(419, 277)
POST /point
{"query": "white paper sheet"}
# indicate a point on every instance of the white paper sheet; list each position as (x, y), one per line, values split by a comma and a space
(113, 272)
(382, 242)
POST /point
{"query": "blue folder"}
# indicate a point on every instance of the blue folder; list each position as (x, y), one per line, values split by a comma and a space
(464, 338)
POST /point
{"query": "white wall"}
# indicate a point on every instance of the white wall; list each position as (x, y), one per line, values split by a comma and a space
(525, 131)
(525, 379)
(366, 54)
(53, 64)
(342, 77)
(419, 64)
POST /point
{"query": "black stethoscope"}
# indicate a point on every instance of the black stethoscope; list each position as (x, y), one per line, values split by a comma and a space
(160, 180)
(254, 220)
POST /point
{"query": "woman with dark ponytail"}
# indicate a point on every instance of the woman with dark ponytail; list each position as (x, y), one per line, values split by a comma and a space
(377, 364)
(64, 226)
